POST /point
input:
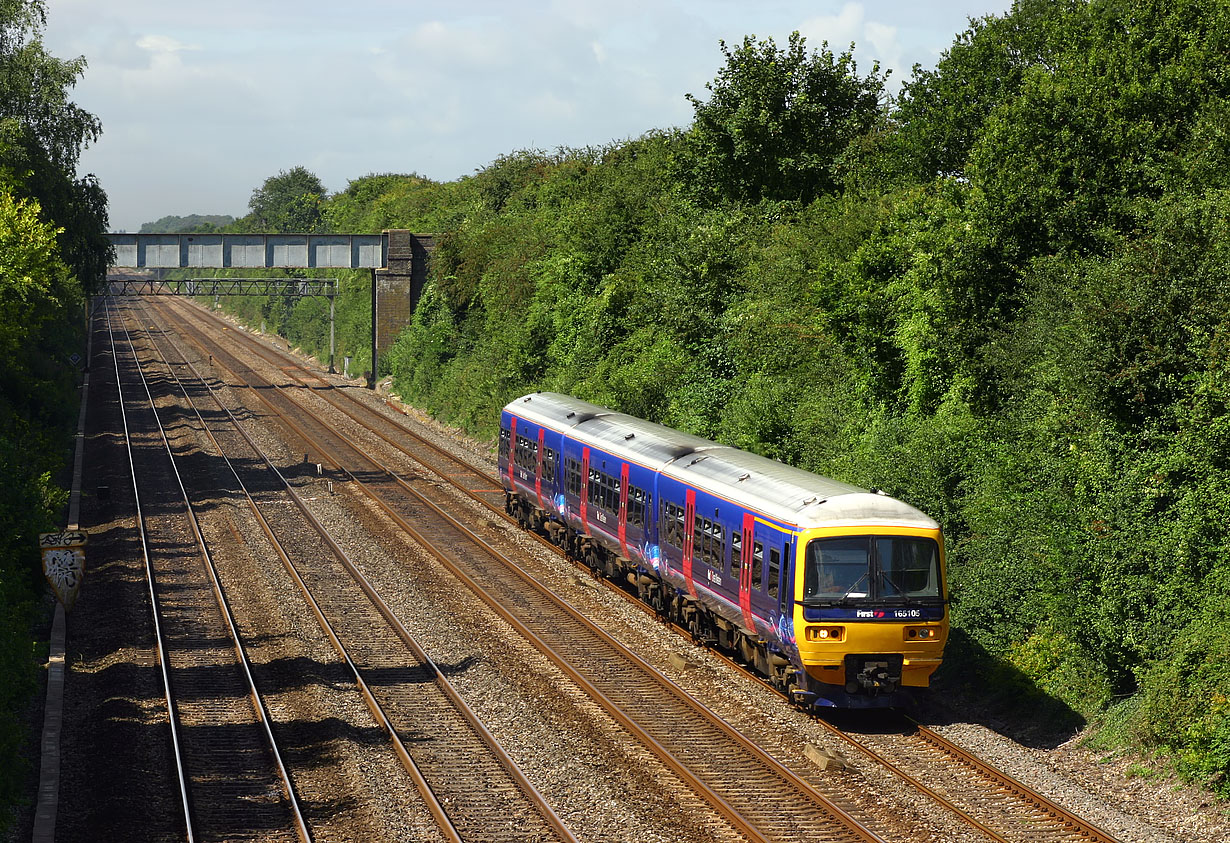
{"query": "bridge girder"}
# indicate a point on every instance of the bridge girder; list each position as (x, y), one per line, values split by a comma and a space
(290, 287)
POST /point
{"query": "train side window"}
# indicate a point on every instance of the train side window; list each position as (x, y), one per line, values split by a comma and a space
(774, 561)
(525, 455)
(736, 553)
(636, 507)
(757, 566)
(775, 564)
(572, 469)
(717, 546)
(505, 437)
(775, 569)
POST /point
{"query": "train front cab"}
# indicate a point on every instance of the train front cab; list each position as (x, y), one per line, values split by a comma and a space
(870, 614)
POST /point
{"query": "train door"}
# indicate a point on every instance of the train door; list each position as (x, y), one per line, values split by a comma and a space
(623, 511)
(585, 490)
(767, 565)
(689, 539)
(512, 454)
(745, 572)
(542, 449)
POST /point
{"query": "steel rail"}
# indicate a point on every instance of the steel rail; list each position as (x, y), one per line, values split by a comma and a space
(435, 807)
(1084, 829)
(722, 806)
(258, 701)
(155, 605)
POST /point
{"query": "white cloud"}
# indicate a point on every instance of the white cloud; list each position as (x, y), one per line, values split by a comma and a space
(885, 47)
(838, 30)
(163, 44)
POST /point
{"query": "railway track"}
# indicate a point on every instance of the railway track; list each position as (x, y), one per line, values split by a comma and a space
(228, 764)
(985, 799)
(1001, 807)
(470, 785)
(763, 801)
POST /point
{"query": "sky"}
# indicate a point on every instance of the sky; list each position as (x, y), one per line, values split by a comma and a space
(200, 103)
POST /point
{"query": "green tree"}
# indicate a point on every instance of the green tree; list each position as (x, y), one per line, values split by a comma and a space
(776, 120)
(290, 202)
(190, 224)
(42, 133)
(37, 295)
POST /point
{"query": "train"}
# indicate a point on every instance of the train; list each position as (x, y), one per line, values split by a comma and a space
(834, 594)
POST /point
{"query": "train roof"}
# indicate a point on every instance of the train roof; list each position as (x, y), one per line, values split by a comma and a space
(627, 437)
(791, 494)
(780, 491)
(553, 409)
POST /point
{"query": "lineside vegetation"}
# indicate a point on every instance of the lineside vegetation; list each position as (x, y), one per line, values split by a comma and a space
(52, 250)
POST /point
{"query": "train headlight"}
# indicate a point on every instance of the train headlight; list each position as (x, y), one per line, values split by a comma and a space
(921, 633)
(825, 633)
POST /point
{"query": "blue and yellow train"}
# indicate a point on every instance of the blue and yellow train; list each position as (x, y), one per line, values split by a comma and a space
(835, 594)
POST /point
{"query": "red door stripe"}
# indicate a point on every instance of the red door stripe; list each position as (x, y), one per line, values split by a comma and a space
(689, 539)
(512, 456)
(585, 490)
(542, 433)
(623, 511)
(745, 572)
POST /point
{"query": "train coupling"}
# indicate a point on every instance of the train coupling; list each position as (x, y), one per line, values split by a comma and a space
(803, 698)
(873, 675)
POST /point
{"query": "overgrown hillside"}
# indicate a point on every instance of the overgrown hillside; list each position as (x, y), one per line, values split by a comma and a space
(1001, 297)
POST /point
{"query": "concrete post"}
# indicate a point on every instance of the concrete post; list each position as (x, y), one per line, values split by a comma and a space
(332, 335)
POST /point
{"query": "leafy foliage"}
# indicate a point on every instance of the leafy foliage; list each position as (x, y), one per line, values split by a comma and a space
(172, 224)
(776, 121)
(289, 202)
(51, 246)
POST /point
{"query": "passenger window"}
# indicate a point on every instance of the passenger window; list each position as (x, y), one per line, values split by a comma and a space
(736, 553)
(775, 562)
(787, 593)
(775, 569)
